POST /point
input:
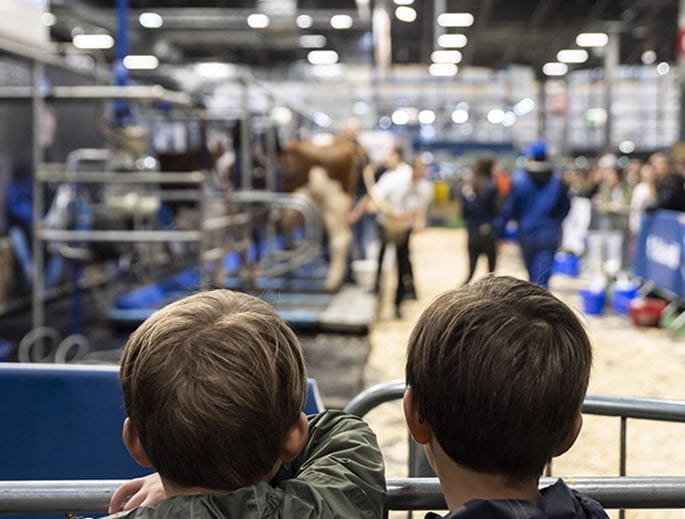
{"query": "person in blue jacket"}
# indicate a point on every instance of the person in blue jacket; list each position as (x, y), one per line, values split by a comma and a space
(538, 202)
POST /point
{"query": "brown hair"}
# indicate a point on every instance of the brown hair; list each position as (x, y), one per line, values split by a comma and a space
(212, 383)
(499, 369)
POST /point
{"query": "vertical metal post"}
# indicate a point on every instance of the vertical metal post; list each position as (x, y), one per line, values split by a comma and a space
(271, 157)
(611, 61)
(622, 456)
(245, 149)
(439, 7)
(566, 122)
(542, 110)
(37, 107)
(681, 65)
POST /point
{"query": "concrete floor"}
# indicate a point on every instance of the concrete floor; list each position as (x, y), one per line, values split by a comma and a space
(627, 361)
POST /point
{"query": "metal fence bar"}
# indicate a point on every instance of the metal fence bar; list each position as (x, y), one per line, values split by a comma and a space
(92, 496)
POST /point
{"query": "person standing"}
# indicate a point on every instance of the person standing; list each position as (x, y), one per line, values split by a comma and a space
(403, 197)
(644, 196)
(538, 202)
(670, 185)
(479, 202)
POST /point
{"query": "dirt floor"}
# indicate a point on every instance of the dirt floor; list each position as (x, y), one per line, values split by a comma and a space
(627, 361)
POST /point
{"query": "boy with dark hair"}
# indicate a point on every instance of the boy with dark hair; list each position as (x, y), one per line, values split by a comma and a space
(497, 373)
(214, 386)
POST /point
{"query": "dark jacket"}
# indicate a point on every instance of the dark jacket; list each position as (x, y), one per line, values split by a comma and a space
(480, 208)
(557, 502)
(339, 474)
(539, 203)
(671, 193)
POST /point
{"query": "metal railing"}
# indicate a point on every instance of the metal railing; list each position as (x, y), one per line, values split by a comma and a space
(92, 496)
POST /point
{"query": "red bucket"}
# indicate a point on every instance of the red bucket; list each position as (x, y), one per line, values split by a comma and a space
(646, 312)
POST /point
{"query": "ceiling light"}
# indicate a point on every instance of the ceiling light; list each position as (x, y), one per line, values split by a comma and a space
(150, 20)
(214, 70)
(400, 117)
(460, 116)
(626, 147)
(446, 56)
(426, 116)
(282, 115)
(322, 119)
(404, 2)
(258, 21)
(304, 21)
(443, 69)
(554, 69)
(312, 41)
(649, 57)
(48, 19)
(509, 119)
(360, 108)
(405, 14)
(592, 39)
(663, 68)
(496, 116)
(141, 62)
(596, 116)
(341, 21)
(322, 57)
(453, 41)
(384, 122)
(572, 56)
(93, 41)
(455, 20)
(524, 106)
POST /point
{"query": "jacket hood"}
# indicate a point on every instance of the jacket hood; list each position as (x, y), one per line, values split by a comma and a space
(541, 176)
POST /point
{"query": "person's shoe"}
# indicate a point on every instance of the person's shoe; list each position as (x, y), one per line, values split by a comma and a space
(398, 313)
(411, 295)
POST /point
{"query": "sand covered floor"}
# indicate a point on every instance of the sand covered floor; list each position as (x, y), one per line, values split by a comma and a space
(627, 361)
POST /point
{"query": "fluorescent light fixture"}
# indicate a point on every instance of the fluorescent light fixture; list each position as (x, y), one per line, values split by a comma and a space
(304, 21)
(312, 41)
(554, 69)
(405, 13)
(443, 69)
(93, 41)
(453, 41)
(460, 116)
(322, 57)
(496, 116)
(592, 39)
(282, 115)
(258, 21)
(48, 19)
(626, 147)
(141, 62)
(322, 119)
(446, 56)
(663, 68)
(649, 57)
(572, 56)
(341, 21)
(404, 2)
(509, 119)
(455, 20)
(400, 117)
(214, 70)
(524, 106)
(150, 20)
(426, 116)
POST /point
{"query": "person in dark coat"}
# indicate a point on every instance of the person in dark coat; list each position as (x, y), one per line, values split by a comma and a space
(497, 372)
(670, 186)
(479, 203)
(538, 202)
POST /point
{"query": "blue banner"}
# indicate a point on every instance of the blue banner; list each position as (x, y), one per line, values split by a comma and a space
(661, 251)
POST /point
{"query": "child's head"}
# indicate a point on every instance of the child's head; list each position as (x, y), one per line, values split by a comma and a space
(497, 373)
(214, 387)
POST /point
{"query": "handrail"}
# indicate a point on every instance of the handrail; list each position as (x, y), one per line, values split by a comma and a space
(92, 496)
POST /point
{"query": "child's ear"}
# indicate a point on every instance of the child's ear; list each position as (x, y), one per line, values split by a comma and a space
(419, 428)
(132, 442)
(295, 439)
(572, 436)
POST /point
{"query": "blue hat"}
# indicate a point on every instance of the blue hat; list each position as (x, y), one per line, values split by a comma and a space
(537, 151)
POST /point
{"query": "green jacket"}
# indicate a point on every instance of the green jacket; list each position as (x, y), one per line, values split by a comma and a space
(339, 474)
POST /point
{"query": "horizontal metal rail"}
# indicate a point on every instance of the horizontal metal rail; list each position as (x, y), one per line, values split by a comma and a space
(639, 408)
(114, 177)
(92, 496)
(119, 236)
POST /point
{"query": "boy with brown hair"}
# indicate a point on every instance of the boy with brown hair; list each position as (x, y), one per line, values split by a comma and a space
(497, 373)
(214, 386)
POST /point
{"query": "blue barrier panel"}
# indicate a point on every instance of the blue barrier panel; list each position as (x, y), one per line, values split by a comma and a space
(661, 251)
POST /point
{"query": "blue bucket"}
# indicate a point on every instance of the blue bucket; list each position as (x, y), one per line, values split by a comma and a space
(593, 302)
(622, 298)
(566, 264)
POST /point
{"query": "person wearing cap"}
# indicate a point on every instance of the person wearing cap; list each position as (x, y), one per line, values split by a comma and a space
(538, 202)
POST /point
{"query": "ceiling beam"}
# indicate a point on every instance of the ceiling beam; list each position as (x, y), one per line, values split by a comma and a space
(482, 21)
(541, 10)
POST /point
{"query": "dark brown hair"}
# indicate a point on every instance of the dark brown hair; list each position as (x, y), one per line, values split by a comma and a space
(499, 369)
(212, 384)
(482, 174)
